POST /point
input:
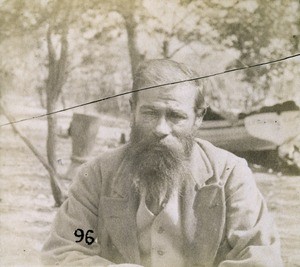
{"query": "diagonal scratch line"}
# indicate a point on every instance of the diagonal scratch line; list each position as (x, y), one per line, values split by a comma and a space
(156, 86)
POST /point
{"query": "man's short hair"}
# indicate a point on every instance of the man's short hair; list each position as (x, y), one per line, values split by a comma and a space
(161, 71)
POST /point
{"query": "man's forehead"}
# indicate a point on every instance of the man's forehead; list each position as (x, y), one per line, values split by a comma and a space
(180, 93)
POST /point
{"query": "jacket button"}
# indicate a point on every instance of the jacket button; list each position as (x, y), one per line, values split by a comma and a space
(160, 252)
(160, 230)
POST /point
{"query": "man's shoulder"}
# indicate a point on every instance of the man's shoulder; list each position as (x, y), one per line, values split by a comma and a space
(215, 152)
(109, 158)
(219, 158)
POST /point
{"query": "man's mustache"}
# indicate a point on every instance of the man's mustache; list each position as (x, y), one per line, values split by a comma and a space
(179, 145)
(153, 144)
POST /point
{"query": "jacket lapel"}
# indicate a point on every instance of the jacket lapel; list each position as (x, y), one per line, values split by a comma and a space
(203, 211)
(119, 212)
(209, 210)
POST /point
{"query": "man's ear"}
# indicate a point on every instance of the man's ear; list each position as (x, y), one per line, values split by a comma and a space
(199, 117)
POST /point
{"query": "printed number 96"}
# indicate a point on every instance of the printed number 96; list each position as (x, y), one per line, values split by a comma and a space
(88, 239)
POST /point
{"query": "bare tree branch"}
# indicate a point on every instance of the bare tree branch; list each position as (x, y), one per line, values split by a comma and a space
(58, 189)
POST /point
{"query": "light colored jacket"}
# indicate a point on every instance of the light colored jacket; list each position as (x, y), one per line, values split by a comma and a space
(224, 216)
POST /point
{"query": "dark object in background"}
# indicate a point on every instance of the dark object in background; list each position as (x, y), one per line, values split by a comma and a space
(210, 115)
(278, 108)
(83, 130)
(122, 139)
(254, 144)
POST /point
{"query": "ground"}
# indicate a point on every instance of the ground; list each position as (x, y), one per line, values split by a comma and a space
(27, 206)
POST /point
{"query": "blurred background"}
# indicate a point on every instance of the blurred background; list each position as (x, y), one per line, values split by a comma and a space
(58, 54)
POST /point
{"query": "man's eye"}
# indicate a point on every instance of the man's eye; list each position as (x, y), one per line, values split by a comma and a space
(150, 112)
(177, 116)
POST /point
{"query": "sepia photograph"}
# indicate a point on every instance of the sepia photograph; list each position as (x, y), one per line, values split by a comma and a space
(150, 133)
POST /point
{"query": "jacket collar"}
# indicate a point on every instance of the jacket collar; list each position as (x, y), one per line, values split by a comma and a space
(200, 166)
(122, 183)
(203, 210)
(119, 212)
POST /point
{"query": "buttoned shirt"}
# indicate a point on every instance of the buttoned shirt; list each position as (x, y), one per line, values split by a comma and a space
(160, 237)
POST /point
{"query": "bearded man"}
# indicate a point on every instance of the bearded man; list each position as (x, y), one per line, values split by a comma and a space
(166, 198)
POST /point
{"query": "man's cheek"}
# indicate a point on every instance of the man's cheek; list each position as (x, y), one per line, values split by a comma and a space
(143, 130)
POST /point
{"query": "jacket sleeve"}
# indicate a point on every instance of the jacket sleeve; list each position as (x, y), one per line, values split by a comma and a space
(79, 211)
(250, 231)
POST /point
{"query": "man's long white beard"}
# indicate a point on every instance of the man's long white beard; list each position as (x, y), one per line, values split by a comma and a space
(157, 177)
(158, 170)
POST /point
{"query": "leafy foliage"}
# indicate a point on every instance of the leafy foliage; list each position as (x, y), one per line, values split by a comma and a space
(107, 39)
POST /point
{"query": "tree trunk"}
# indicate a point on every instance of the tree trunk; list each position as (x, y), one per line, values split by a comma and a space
(127, 11)
(51, 137)
(134, 55)
(51, 149)
(55, 82)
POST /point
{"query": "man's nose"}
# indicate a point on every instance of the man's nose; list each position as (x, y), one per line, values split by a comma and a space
(162, 128)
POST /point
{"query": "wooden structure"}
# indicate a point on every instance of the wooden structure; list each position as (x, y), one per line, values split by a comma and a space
(83, 131)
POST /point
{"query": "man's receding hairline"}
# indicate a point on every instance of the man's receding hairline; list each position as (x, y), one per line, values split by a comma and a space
(154, 70)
